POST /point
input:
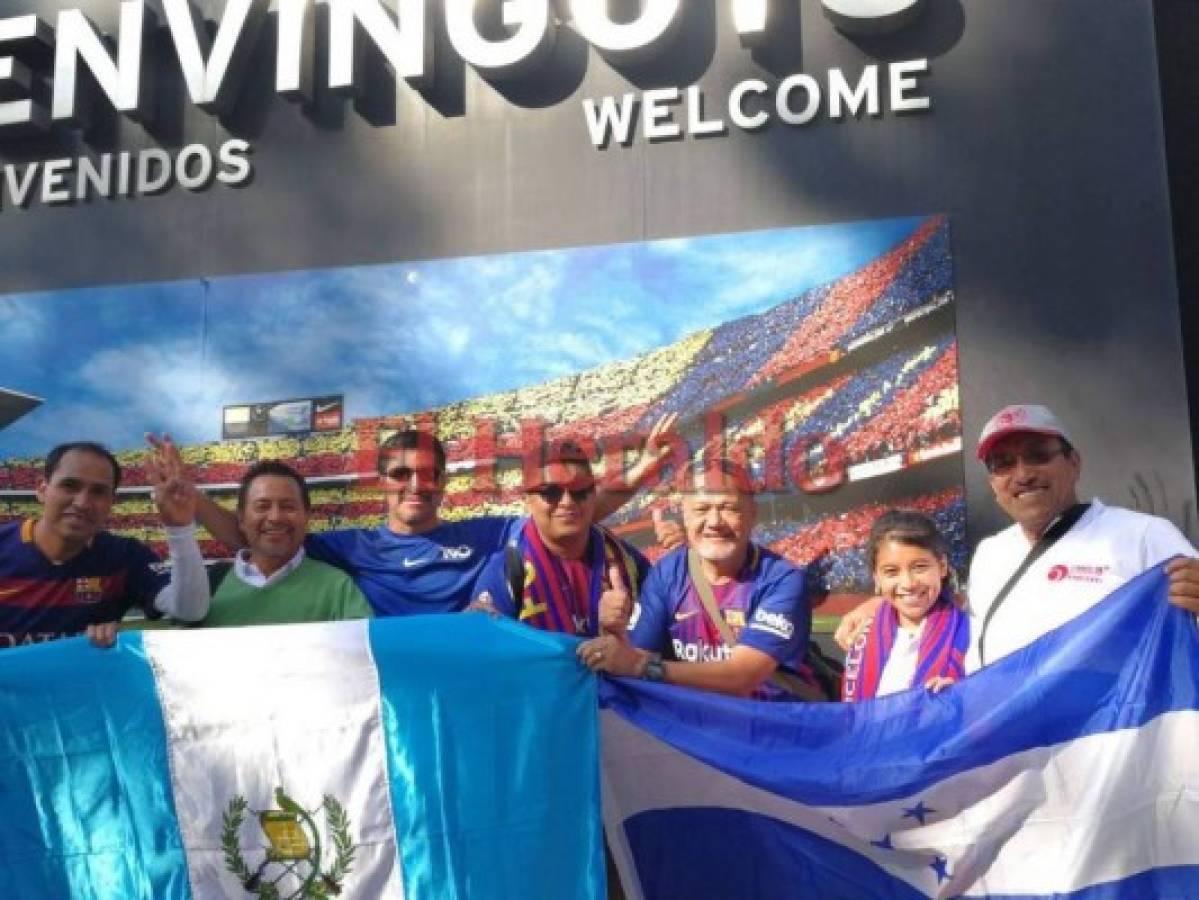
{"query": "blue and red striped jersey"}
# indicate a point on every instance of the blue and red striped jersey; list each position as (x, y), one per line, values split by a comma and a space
(41, 600)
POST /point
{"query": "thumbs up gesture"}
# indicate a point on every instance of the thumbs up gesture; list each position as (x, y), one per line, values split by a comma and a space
(616, 605)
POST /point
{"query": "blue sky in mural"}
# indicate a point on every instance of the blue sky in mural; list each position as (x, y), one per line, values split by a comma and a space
(114, 362)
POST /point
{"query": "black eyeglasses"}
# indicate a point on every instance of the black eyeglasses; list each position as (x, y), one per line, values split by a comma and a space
(553, 493)
(1005, 463)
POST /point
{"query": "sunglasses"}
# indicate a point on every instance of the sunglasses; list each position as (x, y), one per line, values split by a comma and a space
(553, 493)
(1005, 463)
(404, 475)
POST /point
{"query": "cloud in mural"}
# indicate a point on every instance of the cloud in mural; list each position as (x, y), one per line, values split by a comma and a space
(24, 324)
(391, 338)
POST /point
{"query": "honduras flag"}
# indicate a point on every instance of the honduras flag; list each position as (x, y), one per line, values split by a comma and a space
(1069, 770)
(432, 757)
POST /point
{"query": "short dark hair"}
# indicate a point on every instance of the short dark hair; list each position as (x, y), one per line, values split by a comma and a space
(271, 467)
(412, 439)
(54, 458)
(563, 452)
(905, 526)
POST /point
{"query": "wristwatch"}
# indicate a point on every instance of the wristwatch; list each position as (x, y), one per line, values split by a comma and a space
(654, 669)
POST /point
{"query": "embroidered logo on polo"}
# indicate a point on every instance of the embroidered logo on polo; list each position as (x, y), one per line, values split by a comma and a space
(294, 864)
(1091, 574)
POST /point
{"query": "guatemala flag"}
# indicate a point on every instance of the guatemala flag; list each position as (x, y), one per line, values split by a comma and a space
(1069, 770)
(456, 757)
(432, 757)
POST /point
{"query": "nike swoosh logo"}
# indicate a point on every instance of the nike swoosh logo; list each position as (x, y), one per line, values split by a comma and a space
(415, 563)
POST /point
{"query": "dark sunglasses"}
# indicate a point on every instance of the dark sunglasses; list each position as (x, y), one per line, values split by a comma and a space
(404, 474)
(553, 493)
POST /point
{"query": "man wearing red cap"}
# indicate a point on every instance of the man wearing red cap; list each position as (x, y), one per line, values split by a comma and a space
(1086, 551)
(1059, 557)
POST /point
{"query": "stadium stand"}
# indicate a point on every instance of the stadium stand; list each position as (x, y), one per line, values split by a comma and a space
(848, 309)
(837, 544)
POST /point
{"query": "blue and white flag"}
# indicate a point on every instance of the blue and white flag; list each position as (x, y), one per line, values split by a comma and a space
(432, 757)
(1069, 769)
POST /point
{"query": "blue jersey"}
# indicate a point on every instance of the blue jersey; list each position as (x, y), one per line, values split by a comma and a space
(765, 606)
(406, 574)
(41, 601)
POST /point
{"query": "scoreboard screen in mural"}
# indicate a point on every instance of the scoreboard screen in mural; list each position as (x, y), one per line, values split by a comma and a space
(281, 417)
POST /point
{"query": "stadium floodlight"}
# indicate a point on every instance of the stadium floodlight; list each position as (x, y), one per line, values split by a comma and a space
(14, 404)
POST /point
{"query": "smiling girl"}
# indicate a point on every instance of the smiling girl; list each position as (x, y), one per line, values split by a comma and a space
(918, 636)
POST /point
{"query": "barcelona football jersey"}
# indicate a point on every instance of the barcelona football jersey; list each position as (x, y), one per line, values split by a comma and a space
(765, 606)
(41, 600)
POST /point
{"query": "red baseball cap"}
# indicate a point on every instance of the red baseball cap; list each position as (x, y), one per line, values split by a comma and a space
(1016, 419)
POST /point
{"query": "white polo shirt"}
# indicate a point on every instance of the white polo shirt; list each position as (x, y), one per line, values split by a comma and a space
(1106, 547)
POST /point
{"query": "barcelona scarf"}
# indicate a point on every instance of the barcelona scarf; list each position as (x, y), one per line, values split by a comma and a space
(550, 601)
(941, 654)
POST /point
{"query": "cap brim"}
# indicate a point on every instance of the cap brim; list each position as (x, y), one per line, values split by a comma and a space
(984, 446)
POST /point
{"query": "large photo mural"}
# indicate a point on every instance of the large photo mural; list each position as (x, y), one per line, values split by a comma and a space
(823, 357)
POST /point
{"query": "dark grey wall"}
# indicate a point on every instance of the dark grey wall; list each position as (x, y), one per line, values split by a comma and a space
(1044, 146)
(1177, 37)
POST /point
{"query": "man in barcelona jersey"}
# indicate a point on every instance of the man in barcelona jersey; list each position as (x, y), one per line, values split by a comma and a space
(62, 574)
(673, 633)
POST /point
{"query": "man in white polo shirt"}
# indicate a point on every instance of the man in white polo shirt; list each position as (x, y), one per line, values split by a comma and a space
(1090, 549)
(1034, 470)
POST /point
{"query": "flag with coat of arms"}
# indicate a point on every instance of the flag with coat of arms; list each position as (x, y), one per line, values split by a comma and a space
(459, 757)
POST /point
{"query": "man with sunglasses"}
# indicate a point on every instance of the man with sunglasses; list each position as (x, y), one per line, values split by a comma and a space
(560, 564)
(415, 562)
